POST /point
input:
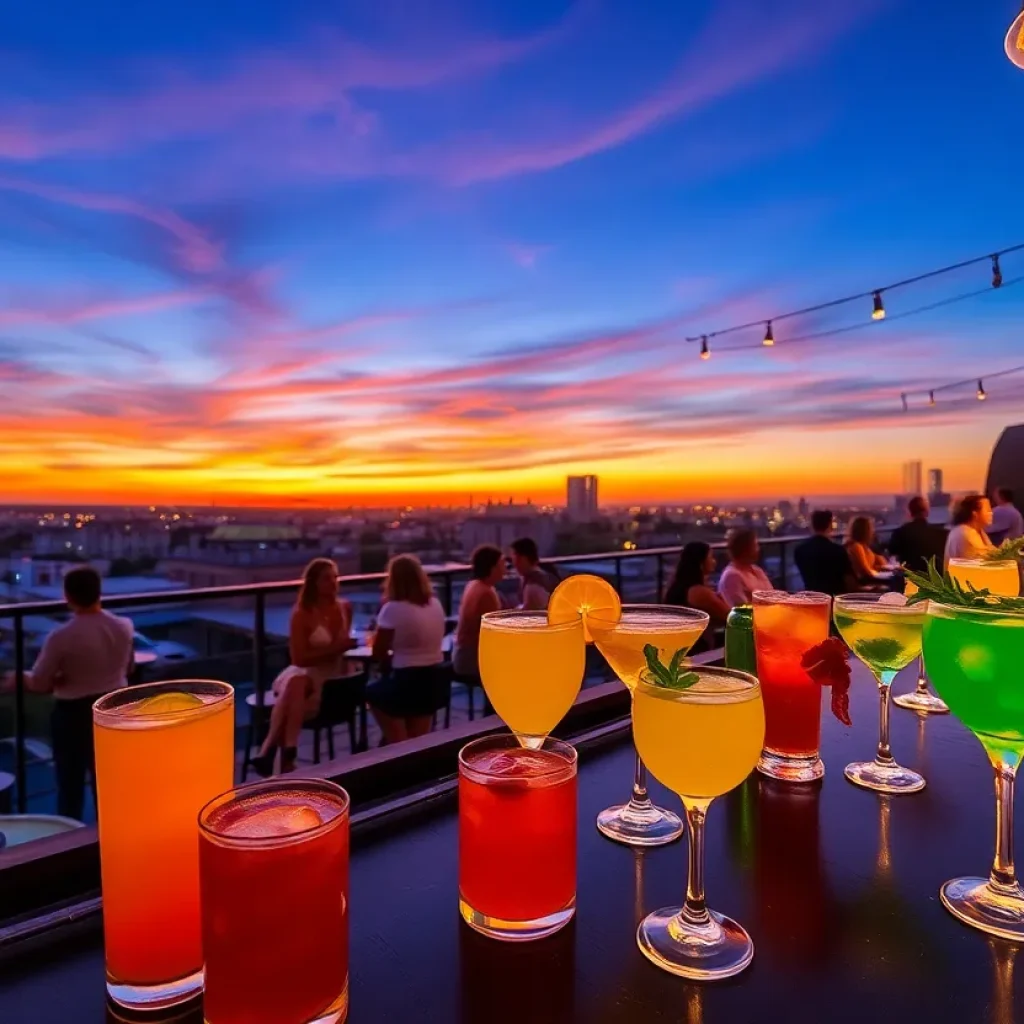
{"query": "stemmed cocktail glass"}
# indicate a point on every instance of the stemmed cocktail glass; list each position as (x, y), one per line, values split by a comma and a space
(700, 741)
(884, 632)
(975, 656)
(622, 640)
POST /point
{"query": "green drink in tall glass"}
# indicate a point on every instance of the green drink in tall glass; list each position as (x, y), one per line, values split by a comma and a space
(975, 658)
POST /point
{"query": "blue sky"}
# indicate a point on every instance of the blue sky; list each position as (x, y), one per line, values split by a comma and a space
(283, 251)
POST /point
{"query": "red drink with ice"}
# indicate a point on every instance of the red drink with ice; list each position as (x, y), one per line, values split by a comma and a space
(517, 837)
(786, 627)
(273, 862)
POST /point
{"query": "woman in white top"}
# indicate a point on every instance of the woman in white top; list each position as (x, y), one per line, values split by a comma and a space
(320, 633)
(968, 539)
(407, 645)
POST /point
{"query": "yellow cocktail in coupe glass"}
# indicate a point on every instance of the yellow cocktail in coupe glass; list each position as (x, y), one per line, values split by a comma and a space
(622, 641)
(700, 741)
(531, 670)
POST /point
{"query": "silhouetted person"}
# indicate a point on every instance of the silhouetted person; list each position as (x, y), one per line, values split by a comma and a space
(913, 543)
(81, 660)
(1007, 522)
(823, 564)
(535, 582)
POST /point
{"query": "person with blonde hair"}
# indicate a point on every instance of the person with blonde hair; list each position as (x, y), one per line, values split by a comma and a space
(319, 635)
(860, 535)
(407, 645)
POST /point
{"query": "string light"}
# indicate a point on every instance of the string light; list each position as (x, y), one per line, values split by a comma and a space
(878, 311)
(1015, 41)
(903, 399)
(979, 384)
(981, 392)
(931, 399)
(705, 352)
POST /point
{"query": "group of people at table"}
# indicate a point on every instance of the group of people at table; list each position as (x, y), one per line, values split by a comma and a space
(91, 654)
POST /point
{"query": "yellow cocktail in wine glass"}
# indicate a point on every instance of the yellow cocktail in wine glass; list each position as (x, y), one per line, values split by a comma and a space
(531, 670)
(700, 735)
(996, 576)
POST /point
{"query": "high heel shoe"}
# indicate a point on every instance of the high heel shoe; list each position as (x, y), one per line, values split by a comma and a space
(263, 764)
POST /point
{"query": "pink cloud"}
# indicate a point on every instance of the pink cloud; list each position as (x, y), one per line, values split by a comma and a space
(526, 256)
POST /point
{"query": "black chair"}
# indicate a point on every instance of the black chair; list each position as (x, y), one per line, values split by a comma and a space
(472, 683)
(343, 702)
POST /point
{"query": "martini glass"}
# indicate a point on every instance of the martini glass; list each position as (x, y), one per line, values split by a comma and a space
(886, 637)
(622, 641)
(532, 671)
(975, 657)
(921, 698)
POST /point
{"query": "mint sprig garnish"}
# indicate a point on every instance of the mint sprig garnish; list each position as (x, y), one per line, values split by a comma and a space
(943, 589)
(1008, 551)
(670, 676)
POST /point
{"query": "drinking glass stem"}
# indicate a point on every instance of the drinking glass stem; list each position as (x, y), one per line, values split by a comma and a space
(640, 782)
(884, 755)
(922, 679)
(695, 910)
(1003, 876)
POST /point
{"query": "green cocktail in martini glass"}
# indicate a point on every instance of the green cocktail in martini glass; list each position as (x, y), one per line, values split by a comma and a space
(885, 633)
(975, 657)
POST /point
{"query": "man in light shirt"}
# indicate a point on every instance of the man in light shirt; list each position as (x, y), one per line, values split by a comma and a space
(1007, 522)
(742, 576)
(86, 657)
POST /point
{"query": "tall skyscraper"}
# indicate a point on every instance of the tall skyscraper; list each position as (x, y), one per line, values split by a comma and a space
(912, 477)
(935, 481)
(581, 498)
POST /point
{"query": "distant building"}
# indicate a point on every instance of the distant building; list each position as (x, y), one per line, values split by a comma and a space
(581, 498)
(935, 481)
(1006, 467)
(502, 524)
(803, 508)
(912, 477)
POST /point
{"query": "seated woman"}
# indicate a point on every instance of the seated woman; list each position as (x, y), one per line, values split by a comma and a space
(320, 633)
(742, 576)
(860, 535)
(689, 589)
(410, 628)
(478, 598)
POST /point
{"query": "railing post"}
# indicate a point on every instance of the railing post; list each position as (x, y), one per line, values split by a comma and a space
(784, 581)
(259, 651)
(19, 713)
(661, 578)
(618, 576)
(448, 593)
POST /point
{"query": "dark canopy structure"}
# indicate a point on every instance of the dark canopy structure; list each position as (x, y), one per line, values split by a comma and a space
(1006, 467)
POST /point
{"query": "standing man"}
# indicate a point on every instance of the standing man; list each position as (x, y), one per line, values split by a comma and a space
(87, 656)
(1007, 522)
(535, 583)
(914, 543)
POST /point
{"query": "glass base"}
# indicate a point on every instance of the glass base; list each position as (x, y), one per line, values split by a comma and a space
(718, 949)
(640, 824)
(926, 702)
(978, 903)
(790, 767)
(516, 931)
(884, 778)
(155, 997)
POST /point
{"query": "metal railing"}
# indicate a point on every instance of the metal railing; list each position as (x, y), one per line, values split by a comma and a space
(646, 586)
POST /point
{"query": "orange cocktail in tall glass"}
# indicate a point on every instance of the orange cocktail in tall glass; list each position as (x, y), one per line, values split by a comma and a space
(786, 627)
(162, 752)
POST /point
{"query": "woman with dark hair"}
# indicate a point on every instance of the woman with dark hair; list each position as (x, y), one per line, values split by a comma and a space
(319, 634)
(968, 538)
(860, 535)
(479, 598)
(407, 644)
(689, 585)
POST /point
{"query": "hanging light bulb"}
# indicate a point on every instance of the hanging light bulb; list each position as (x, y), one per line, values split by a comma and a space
(705, 352)
(769, 336)
(931, 397)
(981, 392)
(903, 399)
(997, 272)
(878, 313)
(1015, 41)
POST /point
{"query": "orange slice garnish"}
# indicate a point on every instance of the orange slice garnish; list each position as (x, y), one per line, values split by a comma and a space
(591, 597)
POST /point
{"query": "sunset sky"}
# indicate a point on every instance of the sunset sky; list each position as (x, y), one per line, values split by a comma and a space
(353, 251)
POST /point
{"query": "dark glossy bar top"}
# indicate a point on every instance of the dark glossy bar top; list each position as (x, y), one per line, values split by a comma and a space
(837, 886)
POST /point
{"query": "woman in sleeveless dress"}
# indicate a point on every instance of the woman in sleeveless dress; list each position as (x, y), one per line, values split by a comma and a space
(320, 634)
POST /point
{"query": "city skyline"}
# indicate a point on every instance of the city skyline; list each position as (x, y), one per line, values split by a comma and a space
(422, 251)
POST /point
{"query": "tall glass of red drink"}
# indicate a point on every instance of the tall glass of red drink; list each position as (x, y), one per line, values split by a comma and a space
(517, 837)
(786, 626)
(273, 871)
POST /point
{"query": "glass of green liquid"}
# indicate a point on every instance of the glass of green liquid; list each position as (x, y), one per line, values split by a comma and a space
(885, 633)
(975, 658)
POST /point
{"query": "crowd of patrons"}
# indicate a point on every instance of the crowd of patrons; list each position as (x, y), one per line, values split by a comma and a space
(92, 653)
